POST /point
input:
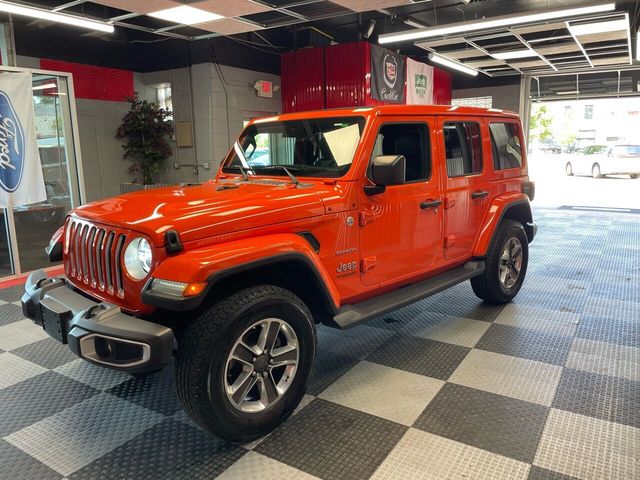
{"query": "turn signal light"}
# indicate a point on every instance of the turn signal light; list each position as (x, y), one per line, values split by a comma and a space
(194, 289)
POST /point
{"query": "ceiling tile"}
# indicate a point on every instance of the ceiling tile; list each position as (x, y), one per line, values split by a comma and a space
(603, 37)
(485, 63)
(228, 8)
(139, 6)
(365, 5)
(556, 49)
(529, 63)
(228, 26)
(621, 60)
(460, 54)
(546, 27)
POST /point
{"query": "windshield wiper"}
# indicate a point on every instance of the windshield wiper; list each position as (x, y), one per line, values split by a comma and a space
(243, 171)
(293, 178)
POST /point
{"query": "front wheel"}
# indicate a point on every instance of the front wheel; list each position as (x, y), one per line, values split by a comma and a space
(568, 169)
(506, 265)
(243, 364)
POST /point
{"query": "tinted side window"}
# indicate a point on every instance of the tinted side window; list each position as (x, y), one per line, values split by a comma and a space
(506, 145)
(463, 148)
(410, 140)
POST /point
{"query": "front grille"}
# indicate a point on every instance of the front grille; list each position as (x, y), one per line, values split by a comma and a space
(94, 256)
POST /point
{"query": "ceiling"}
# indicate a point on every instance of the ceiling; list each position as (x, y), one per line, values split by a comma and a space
(253, 33)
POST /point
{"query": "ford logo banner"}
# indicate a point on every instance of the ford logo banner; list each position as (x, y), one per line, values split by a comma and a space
(11, 146)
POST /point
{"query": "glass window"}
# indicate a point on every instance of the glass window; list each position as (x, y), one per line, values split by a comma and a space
(411, 141)
(588, 112)
(463, 148)
(506, 145)
(322, 147)
(164, 100)
(481, 102)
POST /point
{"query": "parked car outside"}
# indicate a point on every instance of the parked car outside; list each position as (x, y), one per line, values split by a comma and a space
(357, 213)
(599, 161)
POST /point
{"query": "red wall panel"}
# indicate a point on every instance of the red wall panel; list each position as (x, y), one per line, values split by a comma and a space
(348, 75)
(95, 83)
(302, 80)
(442, 82)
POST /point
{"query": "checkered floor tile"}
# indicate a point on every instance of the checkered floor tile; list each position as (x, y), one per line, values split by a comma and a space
(547, 387)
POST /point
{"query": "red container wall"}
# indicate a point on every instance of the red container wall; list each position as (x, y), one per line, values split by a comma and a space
(348, 75)
(302, 80)
(441, 87)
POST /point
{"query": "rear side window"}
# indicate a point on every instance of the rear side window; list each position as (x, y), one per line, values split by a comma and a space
(506, 145)
(463, 148)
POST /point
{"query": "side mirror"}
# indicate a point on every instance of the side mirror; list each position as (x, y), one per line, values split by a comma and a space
(386, 170)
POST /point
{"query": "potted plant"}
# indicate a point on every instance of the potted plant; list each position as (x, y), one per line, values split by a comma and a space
(146, 129)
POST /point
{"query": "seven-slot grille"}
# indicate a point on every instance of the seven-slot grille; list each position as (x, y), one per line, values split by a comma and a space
(94, 256)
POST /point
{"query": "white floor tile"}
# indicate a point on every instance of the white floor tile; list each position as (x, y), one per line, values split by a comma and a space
(444, 328)
(20, 333)
(14, 369)
(605, 358)
(588, 448)
(253, 464)
(420, 455)
(511, 376)
(384, 391)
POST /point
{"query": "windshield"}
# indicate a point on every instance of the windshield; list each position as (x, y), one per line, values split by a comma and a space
(626, 150)
(319, 147)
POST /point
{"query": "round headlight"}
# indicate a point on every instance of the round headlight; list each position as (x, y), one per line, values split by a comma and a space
(138, 258)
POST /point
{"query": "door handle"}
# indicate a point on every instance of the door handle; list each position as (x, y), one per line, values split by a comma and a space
(479, 194)
(430, 204)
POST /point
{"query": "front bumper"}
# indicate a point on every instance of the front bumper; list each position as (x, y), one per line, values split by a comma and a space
(97, 332)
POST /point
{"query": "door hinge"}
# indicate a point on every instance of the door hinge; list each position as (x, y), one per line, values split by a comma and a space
(365, 218)
(367, 264)
(449, 241)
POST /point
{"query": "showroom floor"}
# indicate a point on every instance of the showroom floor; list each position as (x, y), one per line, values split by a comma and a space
(547, 387)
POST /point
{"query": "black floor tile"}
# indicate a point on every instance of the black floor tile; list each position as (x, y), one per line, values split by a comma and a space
(610, 330)
(600, 396)
(15, 464)
(525, 343)
(12, 294)
(47, 353)
(496, 423)
(327, 369)
(169, 450)
(156, 391)
(10, 313)
(420, 355)
(39, 397)
(333, 442)
(538, 473)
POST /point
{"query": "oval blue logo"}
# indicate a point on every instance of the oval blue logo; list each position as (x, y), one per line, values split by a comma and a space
(11, 146)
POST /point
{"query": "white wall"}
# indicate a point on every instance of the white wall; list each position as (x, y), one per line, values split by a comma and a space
(205, 105)
(506, 97)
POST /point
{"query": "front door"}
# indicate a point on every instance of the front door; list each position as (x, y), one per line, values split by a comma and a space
(401, 228)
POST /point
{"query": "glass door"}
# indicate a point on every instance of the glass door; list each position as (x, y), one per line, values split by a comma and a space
(26, 230)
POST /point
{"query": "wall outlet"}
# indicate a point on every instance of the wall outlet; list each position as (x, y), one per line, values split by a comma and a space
(176, 166)
(206, 166)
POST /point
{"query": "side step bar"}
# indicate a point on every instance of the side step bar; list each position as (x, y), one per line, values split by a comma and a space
(351, 315)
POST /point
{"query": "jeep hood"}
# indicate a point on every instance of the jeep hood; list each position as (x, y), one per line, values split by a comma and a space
(203, 211)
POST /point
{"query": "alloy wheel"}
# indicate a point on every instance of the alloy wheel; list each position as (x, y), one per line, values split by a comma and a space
(510, 263)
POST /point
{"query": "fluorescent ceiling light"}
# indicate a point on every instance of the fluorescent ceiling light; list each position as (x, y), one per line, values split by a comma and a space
(186, 15)
(43, 14)
(45, 86)
(513, 54)
(638, 45)
(598, 27)
(497, 22)
(447, 62)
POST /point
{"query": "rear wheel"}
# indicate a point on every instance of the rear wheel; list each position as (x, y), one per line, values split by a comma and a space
(568, 169)
(506, 265)
(243, 364)
(595, 171)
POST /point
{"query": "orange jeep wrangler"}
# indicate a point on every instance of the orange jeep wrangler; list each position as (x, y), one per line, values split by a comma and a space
(333, 217)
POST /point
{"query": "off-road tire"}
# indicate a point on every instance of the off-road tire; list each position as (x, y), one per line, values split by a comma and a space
(568, 169)
(488, 286)
(206, 345)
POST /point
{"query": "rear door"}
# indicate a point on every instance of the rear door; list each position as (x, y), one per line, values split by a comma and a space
(401, 228)
(467, 189)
